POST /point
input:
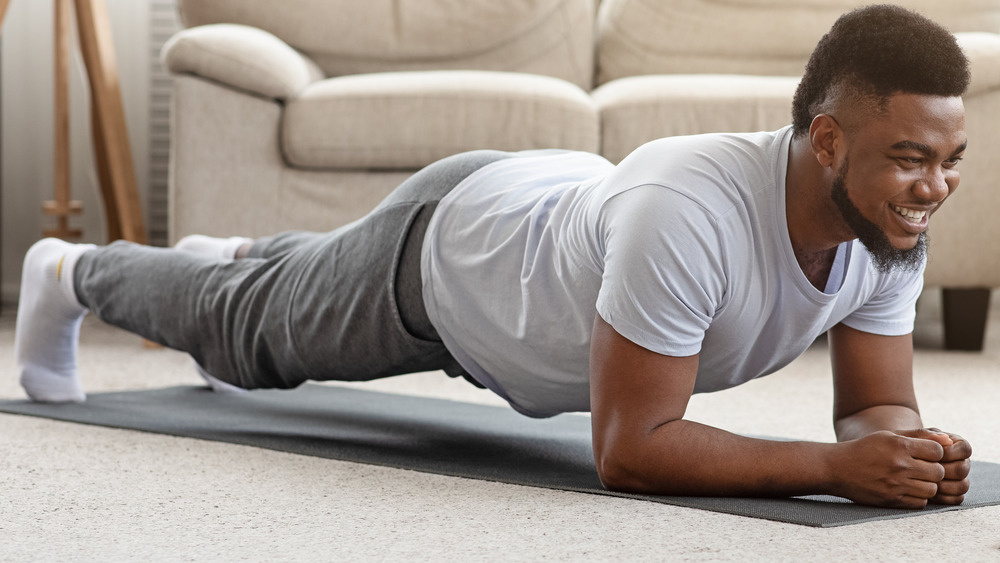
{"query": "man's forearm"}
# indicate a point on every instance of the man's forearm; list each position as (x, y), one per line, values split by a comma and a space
(873, 419)
(687, 458)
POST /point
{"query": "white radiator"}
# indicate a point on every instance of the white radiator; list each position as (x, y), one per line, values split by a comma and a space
(164, 22)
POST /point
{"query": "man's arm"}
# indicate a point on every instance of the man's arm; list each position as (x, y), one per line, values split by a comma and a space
(873, 391)
(643, 444)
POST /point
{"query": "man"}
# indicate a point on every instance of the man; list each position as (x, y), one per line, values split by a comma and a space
(563, 283)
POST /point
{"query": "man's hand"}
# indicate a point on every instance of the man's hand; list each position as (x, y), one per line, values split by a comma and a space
(904, 469)
(873, 391)
(956, 463)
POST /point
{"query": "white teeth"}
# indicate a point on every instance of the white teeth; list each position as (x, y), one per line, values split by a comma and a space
(910, 213)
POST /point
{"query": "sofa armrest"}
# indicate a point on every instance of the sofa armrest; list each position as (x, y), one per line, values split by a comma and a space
(246, 58)
(983, 51)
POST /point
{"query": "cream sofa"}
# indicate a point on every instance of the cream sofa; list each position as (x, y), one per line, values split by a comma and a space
(286, 114)
(303, 114)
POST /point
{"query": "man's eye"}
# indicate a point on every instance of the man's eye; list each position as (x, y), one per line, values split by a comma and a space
(953, 162)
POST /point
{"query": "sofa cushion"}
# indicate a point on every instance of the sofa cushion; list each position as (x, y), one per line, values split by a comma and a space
(741, 36)
(406, 120)
(551, 37)
(639, 109)
(983, 51)
(242, 57)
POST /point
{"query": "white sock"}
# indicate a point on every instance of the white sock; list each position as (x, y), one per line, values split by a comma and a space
(48, 323)
(215, 383)
(223, 249)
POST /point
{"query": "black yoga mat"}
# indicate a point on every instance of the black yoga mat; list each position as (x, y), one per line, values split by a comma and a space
(434, 436)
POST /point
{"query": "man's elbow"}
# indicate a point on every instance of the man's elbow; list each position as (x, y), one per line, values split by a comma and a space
(619, 472)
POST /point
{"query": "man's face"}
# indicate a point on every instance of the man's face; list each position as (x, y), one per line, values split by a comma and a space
(885, 256)
(903, 167)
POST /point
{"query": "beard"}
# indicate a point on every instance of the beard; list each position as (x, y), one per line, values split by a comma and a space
(885, 257)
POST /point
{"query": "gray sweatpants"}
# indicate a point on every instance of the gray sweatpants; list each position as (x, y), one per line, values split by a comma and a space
(344, 305)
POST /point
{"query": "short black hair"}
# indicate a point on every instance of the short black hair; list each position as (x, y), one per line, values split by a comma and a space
(877, 51)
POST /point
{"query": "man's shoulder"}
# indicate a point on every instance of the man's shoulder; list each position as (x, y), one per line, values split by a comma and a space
(715, 174)
(732, 147)
(737, 162)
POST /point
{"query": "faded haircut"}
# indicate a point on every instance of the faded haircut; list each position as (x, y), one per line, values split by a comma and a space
(873, 53)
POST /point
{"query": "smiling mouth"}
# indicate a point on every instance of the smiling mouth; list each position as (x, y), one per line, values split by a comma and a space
(910, 214)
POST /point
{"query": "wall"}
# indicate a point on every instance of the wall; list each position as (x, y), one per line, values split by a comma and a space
(26, 78)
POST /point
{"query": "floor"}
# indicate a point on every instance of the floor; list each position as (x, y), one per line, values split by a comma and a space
(77, 493)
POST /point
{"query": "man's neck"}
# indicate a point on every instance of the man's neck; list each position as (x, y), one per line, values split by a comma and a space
(808, 211)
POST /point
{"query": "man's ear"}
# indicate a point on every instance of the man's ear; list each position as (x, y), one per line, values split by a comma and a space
(826, 139)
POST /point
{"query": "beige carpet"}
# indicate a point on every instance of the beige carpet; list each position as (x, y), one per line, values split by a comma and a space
(78, 493)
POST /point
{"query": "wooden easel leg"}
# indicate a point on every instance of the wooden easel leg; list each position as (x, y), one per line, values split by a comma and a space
(61, 206)
(112, 217)
(3, 9)
(99, 57)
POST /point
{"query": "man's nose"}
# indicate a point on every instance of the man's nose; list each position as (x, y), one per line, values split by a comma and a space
(934, 187)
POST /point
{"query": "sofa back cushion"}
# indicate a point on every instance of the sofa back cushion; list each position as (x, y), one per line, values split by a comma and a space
(761, 37)
(549, 37)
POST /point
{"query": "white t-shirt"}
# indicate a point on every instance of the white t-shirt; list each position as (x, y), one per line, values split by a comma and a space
(683, 248)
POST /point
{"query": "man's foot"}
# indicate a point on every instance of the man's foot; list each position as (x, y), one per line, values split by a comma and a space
(48, 323)
(223, 249)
